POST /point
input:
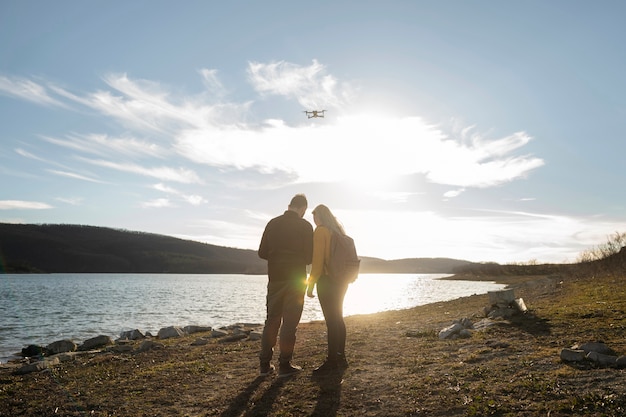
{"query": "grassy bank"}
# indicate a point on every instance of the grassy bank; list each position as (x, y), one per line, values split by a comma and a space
(398, 365)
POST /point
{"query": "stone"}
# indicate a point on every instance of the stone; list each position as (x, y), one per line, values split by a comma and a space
(621, 362)
(465, 334)
(483, 324)
(171, 331)
(503, 297)
(450, 330)
(201, 341)
(572, 355)
(598, 347)
(61, 346)
(520, 305)
(34, 350)
(96, 342)
(196, 329)
(602, 359)
(233, 338)
(132, 335)
(149, 345)
(255, 335)
(219, 333)
(36, 366)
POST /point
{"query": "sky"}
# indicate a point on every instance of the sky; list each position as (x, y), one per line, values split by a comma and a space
(486, 131)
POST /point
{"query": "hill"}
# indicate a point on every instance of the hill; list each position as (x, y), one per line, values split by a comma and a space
(50, 248)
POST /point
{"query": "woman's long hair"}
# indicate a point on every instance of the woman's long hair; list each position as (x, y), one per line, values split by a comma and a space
(327, 219)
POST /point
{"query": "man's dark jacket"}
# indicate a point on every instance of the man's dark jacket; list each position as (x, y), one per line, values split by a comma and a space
(287, 240)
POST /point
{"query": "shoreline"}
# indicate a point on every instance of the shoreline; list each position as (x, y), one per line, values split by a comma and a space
(16, 356)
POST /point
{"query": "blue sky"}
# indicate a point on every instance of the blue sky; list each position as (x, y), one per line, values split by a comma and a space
(483, 130)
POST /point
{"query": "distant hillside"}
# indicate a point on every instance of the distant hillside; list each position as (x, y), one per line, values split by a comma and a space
(70, 248)
(88, 249)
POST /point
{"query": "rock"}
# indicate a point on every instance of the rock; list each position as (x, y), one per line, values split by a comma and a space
(196, 329)
(255, 335)
(171, 331)
(132, 335)
(483, 324)
(124, 348)
(598, 347)
(149, 345)
(201, 341)
(34, 350)
(465, 334)
(233, 338)
(219, 333)
(621, 362)
(602, 359)
(572, 355)
(96, 342)
(501, 297)
(36, 366)
(450, 330)
(520, 305)
(61, 346)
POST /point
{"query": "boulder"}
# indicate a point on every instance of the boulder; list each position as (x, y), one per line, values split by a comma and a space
(601, 359)
(96, 342)
(36, 366)
(171, 331)
(61, 346)
(598, 347)
(572, 355)
(132, 335)
(196, 329)
(34, 350)
(149, 345)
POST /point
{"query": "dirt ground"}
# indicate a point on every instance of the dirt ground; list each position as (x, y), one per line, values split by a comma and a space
(398, 366)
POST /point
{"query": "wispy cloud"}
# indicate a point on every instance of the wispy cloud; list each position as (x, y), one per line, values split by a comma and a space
(157, 203)
(182, 175)
(193, 199)
(75, 176)
(23, 205)
(29, 90)
(213, 132)
(310, 85)
(105, 145)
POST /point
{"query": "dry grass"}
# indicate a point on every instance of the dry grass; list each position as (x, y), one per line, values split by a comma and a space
(512, 369)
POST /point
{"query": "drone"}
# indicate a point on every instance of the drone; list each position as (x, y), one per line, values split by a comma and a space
(314, 113)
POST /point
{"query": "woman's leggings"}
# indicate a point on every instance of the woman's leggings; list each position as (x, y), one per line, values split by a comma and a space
(331, 294)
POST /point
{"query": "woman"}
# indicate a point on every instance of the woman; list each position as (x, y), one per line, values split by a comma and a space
(330, 292)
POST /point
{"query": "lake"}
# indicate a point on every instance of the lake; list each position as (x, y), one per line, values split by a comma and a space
(43, 308)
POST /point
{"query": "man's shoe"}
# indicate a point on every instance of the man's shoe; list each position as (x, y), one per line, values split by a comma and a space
(266, 369)
(288, 370)
(326, 367)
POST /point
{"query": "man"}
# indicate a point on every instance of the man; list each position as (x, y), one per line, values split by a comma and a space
(287, 245)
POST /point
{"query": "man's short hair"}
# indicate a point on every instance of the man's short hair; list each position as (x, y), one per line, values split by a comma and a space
(299, 201)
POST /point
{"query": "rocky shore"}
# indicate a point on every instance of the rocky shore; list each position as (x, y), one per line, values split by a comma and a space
(402, 363)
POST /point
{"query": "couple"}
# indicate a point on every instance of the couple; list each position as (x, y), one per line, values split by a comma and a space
(289, 245)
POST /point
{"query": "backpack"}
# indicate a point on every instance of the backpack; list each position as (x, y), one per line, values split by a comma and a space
(343, 264)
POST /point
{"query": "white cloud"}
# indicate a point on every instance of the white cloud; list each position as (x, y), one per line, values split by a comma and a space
(23, 205)
(73, 201)
(27, 90)
(105, 145)
(182, 175)
(157, 203)
(453, 193)
(311, 86)
(363, 148)
(75, 176)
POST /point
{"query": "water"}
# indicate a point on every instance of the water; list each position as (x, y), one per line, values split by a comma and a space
(40, 309)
